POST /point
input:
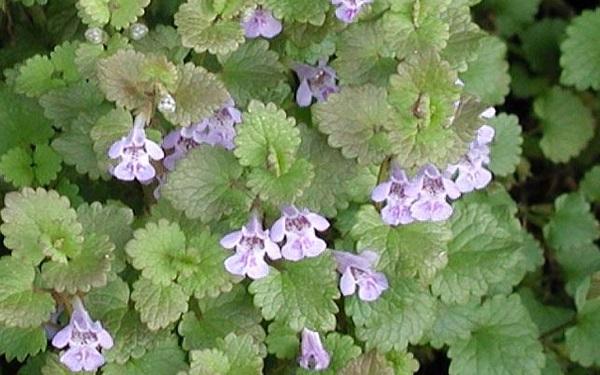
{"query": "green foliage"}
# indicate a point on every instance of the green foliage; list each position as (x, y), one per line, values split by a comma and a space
(572, 223)
(580, 55)
(233, 355)
(506, 148)
(566, 131)
(503, 340)
(301, 295)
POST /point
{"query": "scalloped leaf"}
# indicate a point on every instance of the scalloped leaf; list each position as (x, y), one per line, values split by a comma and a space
(301, 294)
(39, 224)
(159, 305)
(197, 93)
(311, 11)
(201, 28)
(20, 304)
(207, 184)
(18, 343)
(506, 147)
(233, 355)
(580, 54)
(353, 121)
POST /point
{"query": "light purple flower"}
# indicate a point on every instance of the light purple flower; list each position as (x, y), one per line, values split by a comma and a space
(348, 9)
(251, 243)
(134, 153)
(399, 194)
(180, 145)
(298, 228)
(434, 189)
(260, 22)
(318, 82)
(357, 272)
(471, 173)
(84, 337)
(313, 355)
(219, 129)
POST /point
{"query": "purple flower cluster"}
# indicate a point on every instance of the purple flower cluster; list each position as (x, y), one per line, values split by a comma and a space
(260, 22)
(315, 81)
(426, 197)
(134, 153)
(218, 129)
(313, 355)
(357, 272)
(83, 337)
(298, 229)
(252, 242)
(348, 10)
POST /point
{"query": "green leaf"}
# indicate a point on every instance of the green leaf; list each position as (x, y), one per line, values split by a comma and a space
(341, 350)
(23, 121)
(111, 220)
(251, 71)
(94, 12)
(20, 304)
(192, 107)
(311, 11)
(267, 138)
(202, 28)
(329, 189)
(125, 12)
(465, 38)
(37, 77)
(572, 223)
(15, 167)
(109, 304)
(400, 316)
(423, 94)
(166, 358)
(577, 263)
(301, 294)
(39, 224)
(282, 341)
(506, 147)
(512, 16)
(162, 40)
(18, 343)
(53, 366)
(88, 269)
(133, 339)
(76, 146)
(233, 355)
(404, 363)
(231, 312)
(414, 249)
(541, 45)
(46, 164)
(121, 79)
(478, 255)
(416, 26)
(206, 185)
(580, 54)
(371, 363)
(503, 341)
(63, 58)
(487, 76)
(159, 305)
(547, 318)
(108, 129)
(363, 55)
(201, 269)
(590, 185)
(156, 249)
(582, 339)
(353, 120)
(567, 124)
(452, 322)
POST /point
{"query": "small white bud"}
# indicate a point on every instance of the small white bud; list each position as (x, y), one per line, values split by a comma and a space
(138, 31)
(167, 104)
(94, 35)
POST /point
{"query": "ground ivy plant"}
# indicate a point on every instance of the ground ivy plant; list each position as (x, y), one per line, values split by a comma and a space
(219, 187)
